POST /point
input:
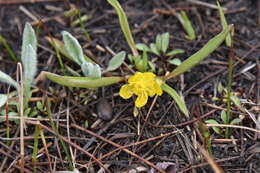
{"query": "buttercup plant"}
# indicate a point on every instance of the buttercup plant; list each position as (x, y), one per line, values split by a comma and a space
(137, 83)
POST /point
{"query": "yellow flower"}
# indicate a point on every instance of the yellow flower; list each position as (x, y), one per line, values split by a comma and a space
(142, 85)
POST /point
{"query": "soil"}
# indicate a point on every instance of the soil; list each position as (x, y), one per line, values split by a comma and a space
(160, 135)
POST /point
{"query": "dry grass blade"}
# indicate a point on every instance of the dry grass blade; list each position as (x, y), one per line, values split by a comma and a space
(233, 126)
(21, 107)
(211, 161)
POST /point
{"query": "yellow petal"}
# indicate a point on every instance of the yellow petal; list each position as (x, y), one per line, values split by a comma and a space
(125, 91)
(141, 100)
(149, 75)
(135, 77)
(158, 89)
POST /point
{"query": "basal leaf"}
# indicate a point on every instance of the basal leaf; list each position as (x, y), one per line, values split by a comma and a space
(29, 63)
(142, 47)
(82, 82)
(29, 38)
(73, 47)
(91, 70)
(116, 61)
(165, 41)
(175, 52)
(61, 48)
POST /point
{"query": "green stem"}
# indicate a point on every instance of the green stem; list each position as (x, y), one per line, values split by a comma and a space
(229, 78)
(35, 147)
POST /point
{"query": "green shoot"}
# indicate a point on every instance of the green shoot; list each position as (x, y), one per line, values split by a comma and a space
(184, 20)
(230, 66)
(35, 147)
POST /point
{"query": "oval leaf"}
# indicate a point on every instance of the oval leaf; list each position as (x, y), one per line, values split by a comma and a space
(165, 41)
(73, 47)
(29, 37)
(175, 52)
(178, 99)
(91, 70)
(235, 121)
(236, 101)
(60, 47)
(175, 61)
(142, 47)
(216, 129)
(82, 82)
(116, 61)
(224, 117)
(29, 63)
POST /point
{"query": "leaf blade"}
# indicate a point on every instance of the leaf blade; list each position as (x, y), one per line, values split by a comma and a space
(82, 82)
(200, 55)
(180, 102)
(116, 61)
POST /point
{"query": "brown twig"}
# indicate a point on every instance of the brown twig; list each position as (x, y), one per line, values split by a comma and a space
(70, 143)
(13, 2)
(136, 143)
(117, 145)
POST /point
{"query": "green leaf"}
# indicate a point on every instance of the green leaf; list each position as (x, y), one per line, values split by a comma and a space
(175, 52)
(154, 49)
(235, 121)
(158, 42)
(91, 70)
(165, 41)
(200, 55)
(142, 47)
(236, 101)
(184, 19)
(61, 48)
(216, 129)
(224, 24)
(3, 99)
(175, 61)
(29, 63)
(5, 78)
(224, 117)
(220, 88)
(124, 25)
(82, 82)
(29, 38)
(28, 54)
(73, 47)
(116, 61)
(145, 61)
(178, 99)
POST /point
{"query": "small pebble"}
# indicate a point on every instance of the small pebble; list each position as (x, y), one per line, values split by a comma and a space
(104, 110)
